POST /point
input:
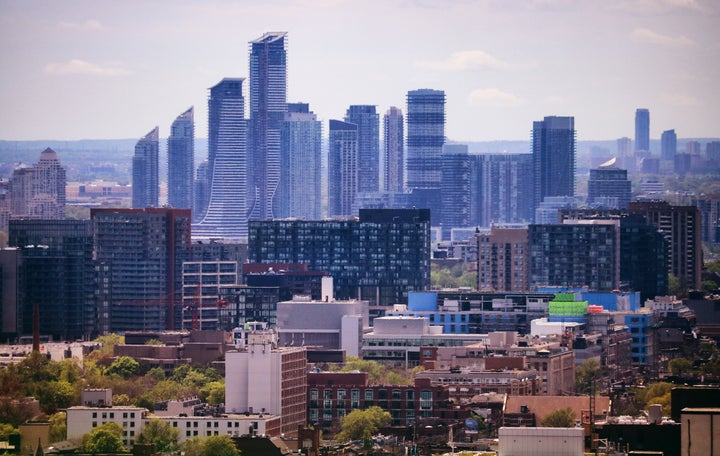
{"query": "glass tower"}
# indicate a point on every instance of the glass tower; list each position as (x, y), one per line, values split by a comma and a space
(553, 149)
(668, 145)
(368, 123)
(268, 105)
(642, 129)
(227, 211)
(394, 150)
(425, 137)
(342, 168)
(146, 180)
(181, 161)
(300, 167)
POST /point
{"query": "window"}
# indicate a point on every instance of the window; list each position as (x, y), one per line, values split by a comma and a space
(369, 394)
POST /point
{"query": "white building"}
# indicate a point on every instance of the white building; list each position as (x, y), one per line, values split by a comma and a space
(82, 420)
(232, 425)
(541, 441)
(261, 377)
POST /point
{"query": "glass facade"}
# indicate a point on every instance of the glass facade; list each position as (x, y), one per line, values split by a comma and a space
(181, 161)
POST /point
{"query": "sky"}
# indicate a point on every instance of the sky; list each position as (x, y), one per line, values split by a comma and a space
(94, 69)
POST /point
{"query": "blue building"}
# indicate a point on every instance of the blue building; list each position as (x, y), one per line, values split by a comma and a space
(145, 171)
(181, 161)
(368, 151)
(553, 150)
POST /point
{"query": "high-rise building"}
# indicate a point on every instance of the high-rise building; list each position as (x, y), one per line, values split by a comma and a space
(668, 145)
(503, 260)
(181, 161)
(712, 151)
(425, 139)
(625, 154)
(38, 191)
(227, 210)
(642, 130)
(59, 255)
(267, 378)
(455, 188)
(693, 148)
(501, 189)
(394, 150)
(709, 206)
(201, 194)
(268, 105)
(553, 149)
(681, 226)
(609, 186)
(575, 253)
(299, 193)
(368, 150)
(140, 252)
(145, 171)
(342, 168)
(380, 257)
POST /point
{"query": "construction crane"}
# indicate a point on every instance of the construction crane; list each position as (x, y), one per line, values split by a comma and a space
(194, 309)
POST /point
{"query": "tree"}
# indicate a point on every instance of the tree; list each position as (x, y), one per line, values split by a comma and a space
(124, 366)
(674, 285)
(679, 366)
(362, 424)
(214, 393)
(564, 417)
(160, 433)
(374, 370)
(6, 430)
(215, 445)
(106, 438)
(58, 426)
(585, 374)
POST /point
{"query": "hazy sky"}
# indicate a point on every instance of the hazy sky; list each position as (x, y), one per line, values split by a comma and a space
(116, 69)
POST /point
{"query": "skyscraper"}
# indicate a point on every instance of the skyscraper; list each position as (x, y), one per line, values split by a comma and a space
(181, 161)
(609, 186)
(268, 105)
(625, 154)
(145, 171)
(668, 145)
(553, 148)
(501, 189)
(425, 138)
(342, 167)
(642, 129)
(227, 210)
(455, 188)
(201, 193)
(394, 150)
(139, 254)
(38, 191)
(300, 168)
(368, 154)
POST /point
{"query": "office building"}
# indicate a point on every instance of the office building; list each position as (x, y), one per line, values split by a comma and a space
(502, 263)
(576, 253)
(59, 255)
(553, 150)
(501, 189)
(145, 171)
(11, 312)
(454, 188)
(38, 191)
(425, 139)
(394, 150)
(379, 257)
(181, 161)
(709, 206)
(268, 105)
(227, 209)
(668, 145)
(368, 151)
(266, 378)
(342, 168)
(201, 284)
(299, 194)
(139, 254)
(642, 130)
(681, 226)
(609, 186)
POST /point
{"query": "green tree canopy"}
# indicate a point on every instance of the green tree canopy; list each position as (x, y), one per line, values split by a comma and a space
(124, 366)
(362, 424)
(160, 433)
(58, 426)
(564, 417)
(680, 366)
(106, 438)
(214, 445)
(586, 373)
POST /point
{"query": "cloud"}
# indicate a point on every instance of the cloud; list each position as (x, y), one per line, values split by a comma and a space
(88, 25)
(495, 98)
(77, 66)
(644, 35)
(464, 60)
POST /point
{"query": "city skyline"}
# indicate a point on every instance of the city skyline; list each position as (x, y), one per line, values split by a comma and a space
(597, 62)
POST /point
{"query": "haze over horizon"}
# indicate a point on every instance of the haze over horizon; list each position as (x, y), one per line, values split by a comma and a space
(88, 70)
